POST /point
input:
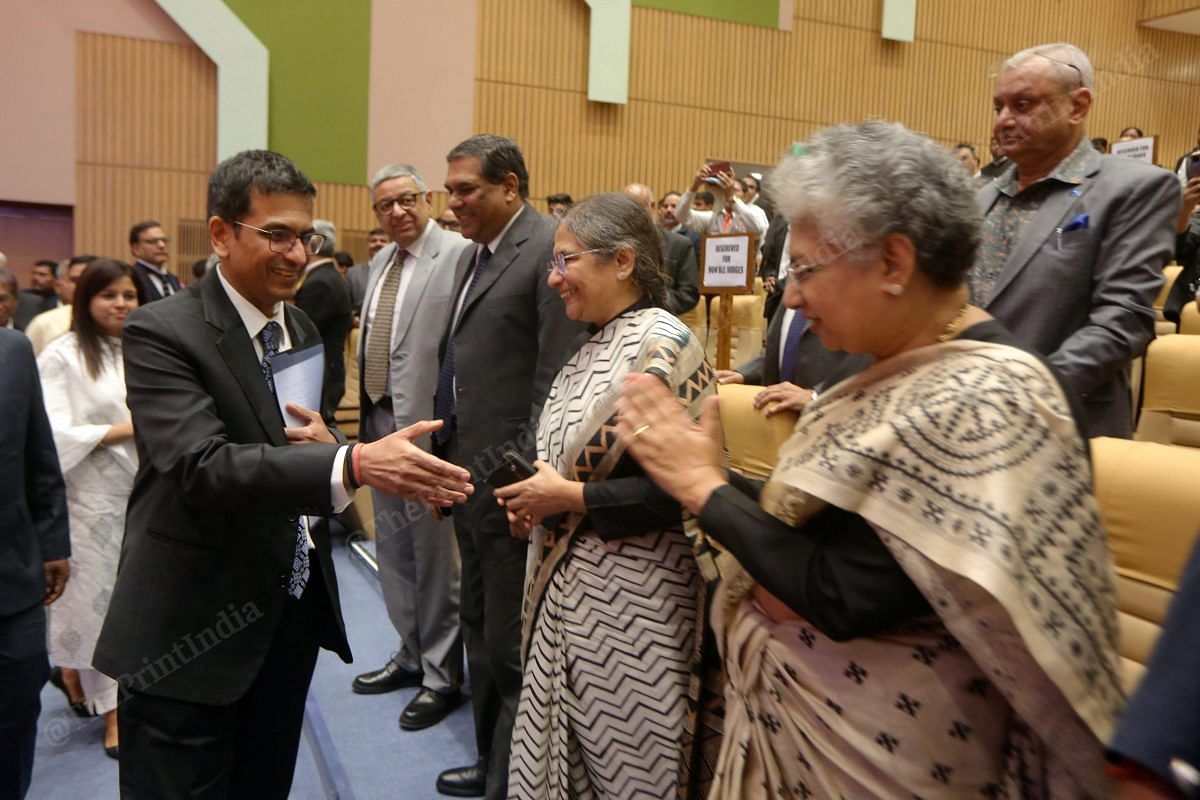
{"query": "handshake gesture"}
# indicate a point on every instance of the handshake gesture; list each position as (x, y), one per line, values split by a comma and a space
(396, 466)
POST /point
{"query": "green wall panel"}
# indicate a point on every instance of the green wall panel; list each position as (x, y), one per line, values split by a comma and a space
(764, 13)
(320, 69)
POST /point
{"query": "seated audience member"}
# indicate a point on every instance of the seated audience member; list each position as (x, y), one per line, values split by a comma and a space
(1186, 288)
(1157, 743)
(1074, 243)
(999, 162)
(447, 221)
(701, 201)
(1130, 133)
(35, 567)
(343, 261)
(49, 325)
(733, 217)
(40, 295)
(83, 382)
(896, 617)
(1100, 143)
(148, 243)
(613, 612)
(359, 275)
(323, 296)
(8, 297)
(683, 274)
(558, 204)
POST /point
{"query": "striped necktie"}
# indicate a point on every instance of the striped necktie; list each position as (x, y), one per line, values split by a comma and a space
(377, 353)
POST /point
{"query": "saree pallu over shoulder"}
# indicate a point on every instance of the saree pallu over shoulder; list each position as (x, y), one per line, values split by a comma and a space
(965, 459)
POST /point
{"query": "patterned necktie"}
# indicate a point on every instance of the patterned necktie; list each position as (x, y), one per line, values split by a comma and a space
(443, 400)
(791, 347)
(726, 221)
(379, 337)
(271, 335)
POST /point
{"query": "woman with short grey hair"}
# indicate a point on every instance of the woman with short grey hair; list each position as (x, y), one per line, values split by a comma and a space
(613, 613)
(919, 601)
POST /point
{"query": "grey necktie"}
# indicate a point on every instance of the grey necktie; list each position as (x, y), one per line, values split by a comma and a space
(377, 352)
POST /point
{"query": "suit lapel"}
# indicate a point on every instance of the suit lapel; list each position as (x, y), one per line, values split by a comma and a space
(505, 255)
(422, 270)
(238, 352)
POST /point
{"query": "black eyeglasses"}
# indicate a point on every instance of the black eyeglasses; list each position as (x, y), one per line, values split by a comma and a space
(282, 240)
(406, 201)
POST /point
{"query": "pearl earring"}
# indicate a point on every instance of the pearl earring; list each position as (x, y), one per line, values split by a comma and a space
(894, 289)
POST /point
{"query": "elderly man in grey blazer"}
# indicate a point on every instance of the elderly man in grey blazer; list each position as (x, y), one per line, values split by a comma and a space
(404, 313)
(1074, 243)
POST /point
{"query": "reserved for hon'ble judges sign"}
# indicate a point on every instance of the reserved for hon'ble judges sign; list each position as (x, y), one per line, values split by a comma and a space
(728, 261)
(1137, 149)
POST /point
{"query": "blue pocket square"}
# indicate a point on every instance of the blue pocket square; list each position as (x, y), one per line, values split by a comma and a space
(1078, 224)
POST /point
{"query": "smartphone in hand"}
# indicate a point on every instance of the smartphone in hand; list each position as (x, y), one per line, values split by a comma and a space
(513, 469)
(715, 168)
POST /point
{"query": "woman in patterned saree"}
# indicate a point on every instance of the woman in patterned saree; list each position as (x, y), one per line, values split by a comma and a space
(612, 614)
(919, 601)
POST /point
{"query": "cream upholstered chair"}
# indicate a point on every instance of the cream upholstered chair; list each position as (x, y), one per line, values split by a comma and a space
(697, 320)
(1171, 393)
(1189, 319)
(1161, 324)
(1151, 510)
(752, 440)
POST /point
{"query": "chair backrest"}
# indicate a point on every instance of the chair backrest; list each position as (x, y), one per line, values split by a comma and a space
(1170, 273)
(1171, 392)
(1189, 319)
(752, 440)
(1150, 504)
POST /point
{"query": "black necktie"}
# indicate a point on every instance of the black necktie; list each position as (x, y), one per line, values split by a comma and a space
(443, 399)
(791, 347)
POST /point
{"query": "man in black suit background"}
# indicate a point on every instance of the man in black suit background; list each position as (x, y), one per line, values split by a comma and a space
(39, 297)
(507, 338)
(36, 542)
(323, 296)
(683, 290)
(148, 243)
(224, 593)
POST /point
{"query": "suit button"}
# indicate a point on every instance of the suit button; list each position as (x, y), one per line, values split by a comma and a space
(292, 520)
(283, 580)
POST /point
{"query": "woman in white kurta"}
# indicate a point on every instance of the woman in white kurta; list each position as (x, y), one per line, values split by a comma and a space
(83, 381)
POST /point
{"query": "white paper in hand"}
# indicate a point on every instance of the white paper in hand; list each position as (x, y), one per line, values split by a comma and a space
(299, 376)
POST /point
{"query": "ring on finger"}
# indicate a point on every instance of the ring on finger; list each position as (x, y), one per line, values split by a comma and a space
(645, 426)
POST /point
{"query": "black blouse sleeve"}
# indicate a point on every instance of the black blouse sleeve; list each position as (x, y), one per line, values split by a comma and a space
(629, 506)
(834, 571)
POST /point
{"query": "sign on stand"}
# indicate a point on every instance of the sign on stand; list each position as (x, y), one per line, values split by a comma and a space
(727, 266)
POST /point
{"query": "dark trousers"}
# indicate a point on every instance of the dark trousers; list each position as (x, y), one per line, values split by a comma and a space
(493, 577)
(23, 672)
(177, 749)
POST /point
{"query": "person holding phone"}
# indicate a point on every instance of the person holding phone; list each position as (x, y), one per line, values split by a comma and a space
(734, 216)
(612, 614)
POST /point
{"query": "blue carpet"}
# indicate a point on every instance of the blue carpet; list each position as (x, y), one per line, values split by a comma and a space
(363, 754)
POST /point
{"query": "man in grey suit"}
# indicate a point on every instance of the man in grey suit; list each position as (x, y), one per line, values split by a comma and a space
(507, 338)
(1073, 243)
(403, 317)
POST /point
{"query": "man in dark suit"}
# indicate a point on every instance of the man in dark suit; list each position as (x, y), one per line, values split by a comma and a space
(148, 243)
(358, 275)
(39, 297)
(683, 290)
(1186, 288)
(224, 593)
(507, 338)
(773, 269)
(324, 298)
(36, 542)
(1073, 243)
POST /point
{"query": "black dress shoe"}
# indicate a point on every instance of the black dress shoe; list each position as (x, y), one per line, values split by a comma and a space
(80, 707)
(464, 781)
(428, 708)
(388, 679)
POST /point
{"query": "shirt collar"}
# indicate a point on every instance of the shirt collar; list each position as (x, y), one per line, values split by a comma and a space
(160, 273)
(1070, 170)
(495, 243)
(418, 246)
(252, 318)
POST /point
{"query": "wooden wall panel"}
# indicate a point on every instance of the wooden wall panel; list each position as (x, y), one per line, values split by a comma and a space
(703, 88)
(1152, 9)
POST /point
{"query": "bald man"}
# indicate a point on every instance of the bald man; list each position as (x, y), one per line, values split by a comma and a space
(680, 257)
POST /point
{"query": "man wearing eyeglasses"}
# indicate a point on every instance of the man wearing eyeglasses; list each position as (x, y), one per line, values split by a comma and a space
(148, 243)
(404, 314)
(507, 337)
(1073, 243)
(225, 592)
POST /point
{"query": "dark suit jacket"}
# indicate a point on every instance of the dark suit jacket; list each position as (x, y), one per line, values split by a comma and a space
(148, 285)
(29, 305)
(681, 268)
(511, 339)
(326, 301)
(816, 367)
(210, 531)
(772, 252)
(1187, 254)
(356, 281)
(33, 500)
(1083, 298)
